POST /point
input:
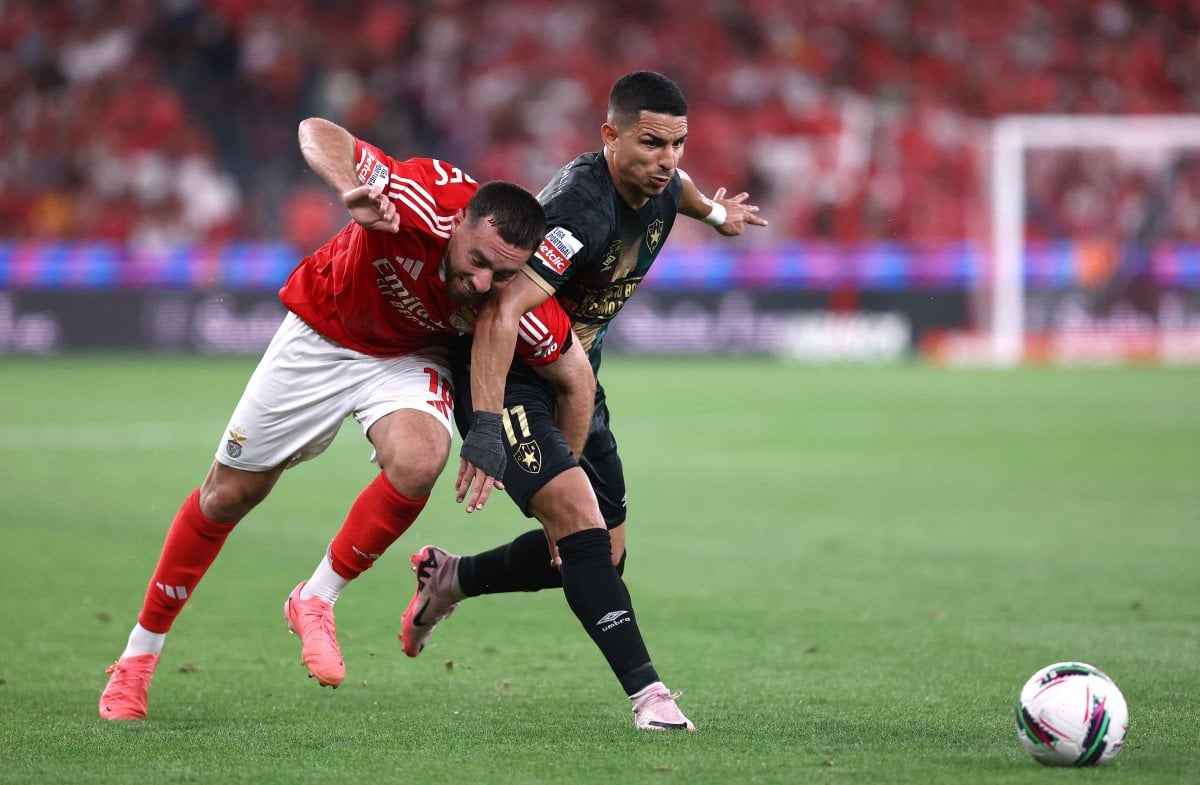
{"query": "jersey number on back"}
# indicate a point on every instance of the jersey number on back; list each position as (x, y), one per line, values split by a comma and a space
(455, 175)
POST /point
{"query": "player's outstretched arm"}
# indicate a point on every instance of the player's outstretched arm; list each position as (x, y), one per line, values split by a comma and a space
(482, 457)
(729, 215)
(329, 151)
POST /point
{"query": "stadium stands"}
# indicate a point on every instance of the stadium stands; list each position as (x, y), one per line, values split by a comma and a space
(848, 120)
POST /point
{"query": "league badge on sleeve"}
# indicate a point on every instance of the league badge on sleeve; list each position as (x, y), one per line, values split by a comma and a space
(556, 250)
(370, 169)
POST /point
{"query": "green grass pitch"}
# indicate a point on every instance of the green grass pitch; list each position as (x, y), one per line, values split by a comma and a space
(848, 571)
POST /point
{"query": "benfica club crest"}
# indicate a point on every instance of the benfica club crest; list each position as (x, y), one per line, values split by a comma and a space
(529, 456)
(654, 233)
(233, 445)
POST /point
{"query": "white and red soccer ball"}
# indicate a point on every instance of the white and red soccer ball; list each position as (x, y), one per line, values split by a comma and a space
(1071, 714)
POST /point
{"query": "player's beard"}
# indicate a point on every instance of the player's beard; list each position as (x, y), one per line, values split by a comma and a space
(461, 291)
(457, 285)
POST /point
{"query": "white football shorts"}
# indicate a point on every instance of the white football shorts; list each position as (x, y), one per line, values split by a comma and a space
(306, 385)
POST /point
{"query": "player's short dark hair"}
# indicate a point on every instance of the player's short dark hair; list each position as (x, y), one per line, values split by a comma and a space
(644, 91)
(517, 215)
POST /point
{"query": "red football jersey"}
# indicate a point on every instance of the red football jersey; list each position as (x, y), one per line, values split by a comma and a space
(383, 294)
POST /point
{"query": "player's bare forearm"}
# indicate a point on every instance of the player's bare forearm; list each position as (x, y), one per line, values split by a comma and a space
(574, 386)
(495, 338)
(729, 215)
(496, 327)
(329, 151)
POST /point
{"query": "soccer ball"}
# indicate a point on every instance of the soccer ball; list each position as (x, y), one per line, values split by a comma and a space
(1071, 714)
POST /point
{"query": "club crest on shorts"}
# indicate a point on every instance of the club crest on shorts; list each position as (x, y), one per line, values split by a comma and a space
(529, 456)
(233, 445)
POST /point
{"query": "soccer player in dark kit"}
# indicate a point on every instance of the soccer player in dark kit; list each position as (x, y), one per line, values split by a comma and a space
(609, 214)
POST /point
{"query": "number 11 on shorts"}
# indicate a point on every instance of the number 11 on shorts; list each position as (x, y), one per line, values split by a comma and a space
(522, 422)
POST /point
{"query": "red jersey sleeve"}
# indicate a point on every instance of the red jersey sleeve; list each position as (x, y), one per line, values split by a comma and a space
(372, 165)
(542, 333)
(423, 189)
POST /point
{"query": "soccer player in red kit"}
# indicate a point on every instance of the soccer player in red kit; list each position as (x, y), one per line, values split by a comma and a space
(370, 316)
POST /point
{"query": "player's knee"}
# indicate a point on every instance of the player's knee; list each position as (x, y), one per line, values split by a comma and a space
(415, 475)
(566, 505)
(412, 450)
(564, 520)
(565, 523)
(228, 499)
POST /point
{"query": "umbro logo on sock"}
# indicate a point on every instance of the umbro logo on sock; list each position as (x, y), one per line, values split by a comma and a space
(610, 620)
(174, 592)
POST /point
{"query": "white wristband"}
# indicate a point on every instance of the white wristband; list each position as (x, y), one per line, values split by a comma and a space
(717, 216)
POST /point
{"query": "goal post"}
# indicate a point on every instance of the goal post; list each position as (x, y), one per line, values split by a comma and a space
(1013, 138)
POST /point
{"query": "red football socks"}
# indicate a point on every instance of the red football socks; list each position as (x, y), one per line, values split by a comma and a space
(377, 518)
(193, 542)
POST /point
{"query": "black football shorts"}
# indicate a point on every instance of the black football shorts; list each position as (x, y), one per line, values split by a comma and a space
(537, 449)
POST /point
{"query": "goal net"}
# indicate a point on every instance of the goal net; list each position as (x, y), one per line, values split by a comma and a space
(1095, 240)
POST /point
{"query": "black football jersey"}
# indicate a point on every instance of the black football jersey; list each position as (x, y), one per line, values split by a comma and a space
(598, 248)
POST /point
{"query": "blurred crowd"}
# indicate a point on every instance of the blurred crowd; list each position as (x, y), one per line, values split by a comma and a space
(849, 120)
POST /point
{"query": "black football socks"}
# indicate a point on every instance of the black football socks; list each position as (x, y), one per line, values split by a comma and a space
(520, 565)
(599, 599)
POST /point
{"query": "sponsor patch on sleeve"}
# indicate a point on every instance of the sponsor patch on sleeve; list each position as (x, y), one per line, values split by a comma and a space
(557, 248)
(371, 170)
